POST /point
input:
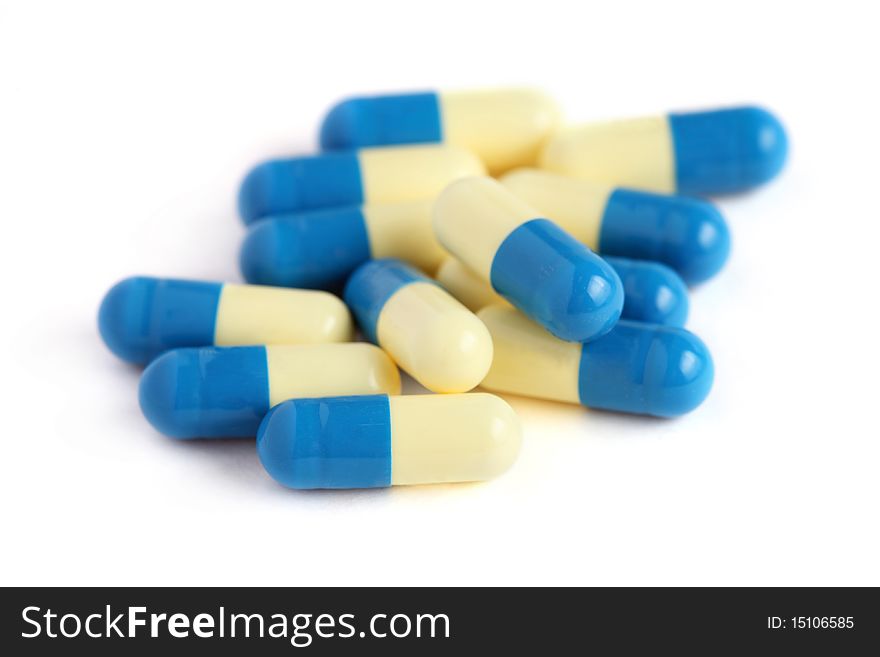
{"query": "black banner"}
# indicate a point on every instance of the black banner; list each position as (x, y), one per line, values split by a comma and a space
(109, 621)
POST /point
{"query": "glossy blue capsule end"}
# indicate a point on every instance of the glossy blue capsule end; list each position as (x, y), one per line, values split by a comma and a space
(214, 392)
(370, 287)
(316, 250)
(382, 121)
(728, 150)
(142, 317)
(332, 442)
(557, 281)
(652, 293)
(645, 369)
(684, 233)
(299, 184)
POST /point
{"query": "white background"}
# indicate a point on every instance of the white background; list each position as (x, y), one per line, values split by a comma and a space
(124, 133)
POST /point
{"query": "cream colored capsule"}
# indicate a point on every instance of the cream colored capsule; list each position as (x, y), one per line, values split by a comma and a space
(376, 441)
(430, 335)
(504, 127)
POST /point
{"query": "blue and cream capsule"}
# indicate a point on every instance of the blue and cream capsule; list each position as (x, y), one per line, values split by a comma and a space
(429, 334)
(142, 317)
(367, 176)
(636, 368)
(376, 441)
(652, 293)
(321, 249)
(713, 152)
(687, 234)
(504, 127)
(528, 260)
(224, 392)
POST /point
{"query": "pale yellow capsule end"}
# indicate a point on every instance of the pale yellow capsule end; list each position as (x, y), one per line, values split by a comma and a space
(629, 153)
(452, 438)
(395, 174)
(528, 360)
(404, 231)
(328, 370)
(505, 127)
(466, 286)
(473, 216)
(434, 338)
(258, 314)
(577, 206)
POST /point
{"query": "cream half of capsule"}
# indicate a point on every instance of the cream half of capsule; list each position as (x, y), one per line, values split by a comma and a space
(322, 370)
(528, 360)
(405, 231)
(450, 438)
(576, 205)
(632, 153)
(505, 127)
(257, 314)
(412, 173)
(434, 338)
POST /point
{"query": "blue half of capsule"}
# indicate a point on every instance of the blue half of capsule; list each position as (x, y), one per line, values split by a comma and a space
(557, 281)
(317, 250)
(383, 121)
(687, 234)
(213, 392)
(638, 368)
(652, 293)
(726, 151)
(300, 183)
(142, 317)
(337, 442)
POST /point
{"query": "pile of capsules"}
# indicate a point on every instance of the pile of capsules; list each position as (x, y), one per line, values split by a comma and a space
(519, 301)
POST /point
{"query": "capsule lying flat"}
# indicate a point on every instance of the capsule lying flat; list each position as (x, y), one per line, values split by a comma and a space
(142, 317)
(429, 334)
(687, 234)
(713, 152)
(224, 392)
(377, 441)
(528, 260)
(320, 249)
(652, 293)
(504, 127)
(367, 176)
(636, 368)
